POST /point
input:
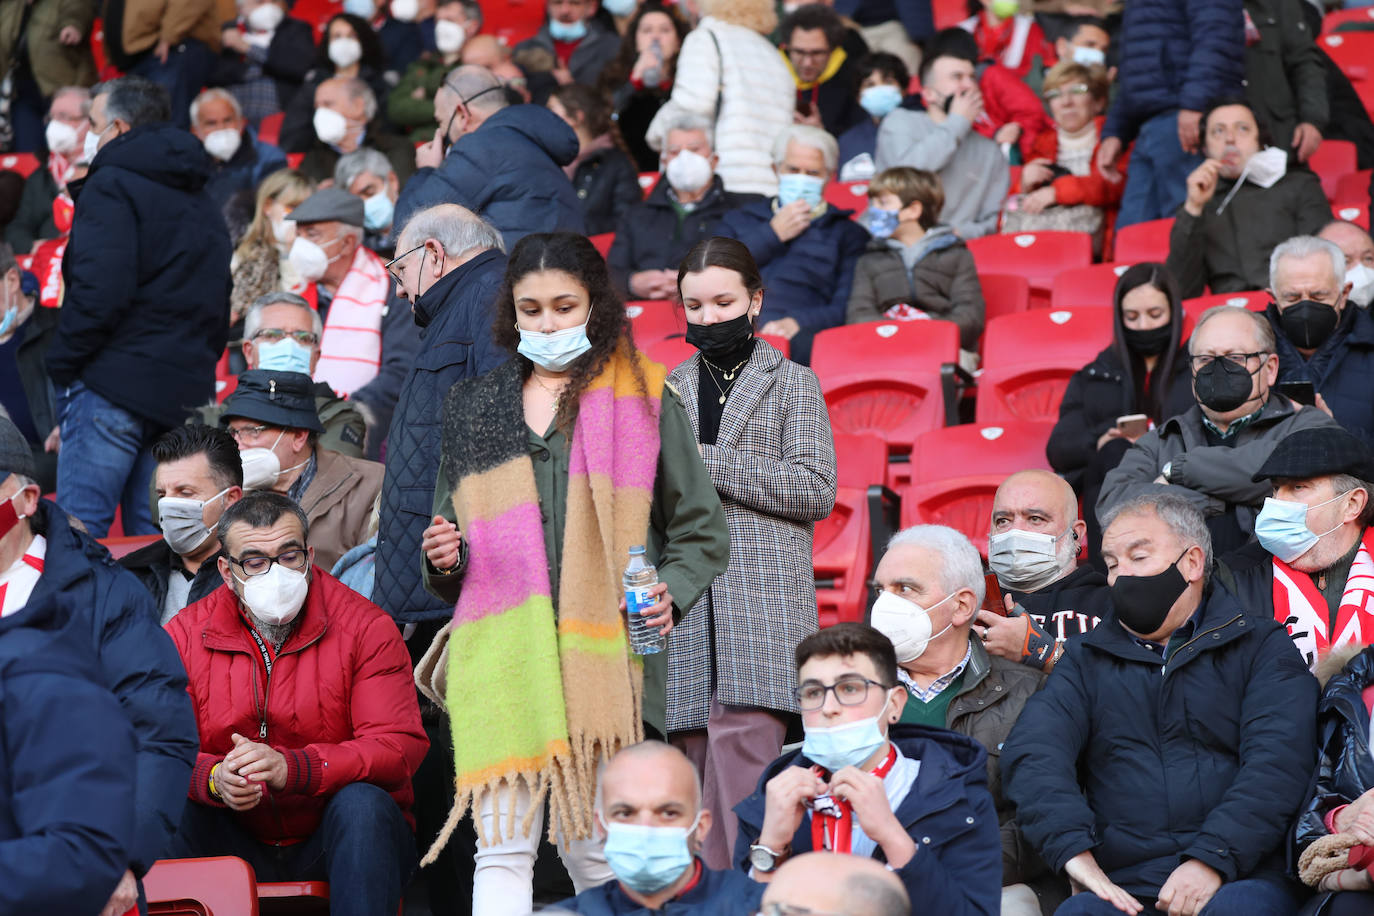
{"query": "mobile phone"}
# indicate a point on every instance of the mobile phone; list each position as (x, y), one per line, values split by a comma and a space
(1300, 392)
(1133, 426)
(804, 107)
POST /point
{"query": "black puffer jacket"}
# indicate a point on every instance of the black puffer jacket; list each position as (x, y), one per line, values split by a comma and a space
(607, 183)
(1345, 765)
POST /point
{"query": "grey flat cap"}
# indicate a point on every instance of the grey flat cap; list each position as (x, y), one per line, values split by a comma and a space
(329, 205)
(15, 455)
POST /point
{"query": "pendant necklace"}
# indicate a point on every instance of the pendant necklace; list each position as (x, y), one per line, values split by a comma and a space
(557, 394)
(729, 377)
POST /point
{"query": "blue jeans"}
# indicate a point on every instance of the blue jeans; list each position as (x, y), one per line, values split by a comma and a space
(1251, 897)
(1157, 175)
(363, 848)
(186, 71)
(105, 462)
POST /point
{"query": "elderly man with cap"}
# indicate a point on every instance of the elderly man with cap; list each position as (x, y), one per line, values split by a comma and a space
(1313, 568)
(272, 417)
(828, 882)
(1033, 548)
(54, 576)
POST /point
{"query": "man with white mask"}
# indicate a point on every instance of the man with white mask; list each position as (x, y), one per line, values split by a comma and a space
(346, 119)
(867, 784)
(684, 207)
(239, 160)
(1358, 248)
(272, 417)
(65, 137)
(1033, 547)
(320, 786)
(1241, 202)
(198, 476)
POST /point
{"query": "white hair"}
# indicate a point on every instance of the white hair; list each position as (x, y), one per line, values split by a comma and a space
(80, 92)
(1304, 246)
(457, 228)
(810, 137)
(960, 566)
(1178, 515)
(360, 161)
(690, 121)
(252, 319)
(210, 95)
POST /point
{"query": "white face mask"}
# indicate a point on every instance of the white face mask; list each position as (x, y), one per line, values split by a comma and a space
(265, 17)
(223, 144)
(405, 10)
(61, 138)
(183, 522)
(689, 171)
(1361, 280)
(1025, 560)
(330, 126)
(92, 143)
(449, 36)
(906, 624)
(1089, 57)
(284, 230)
(309, 259)
(345, 52)
(276, 596)
(1266, 167)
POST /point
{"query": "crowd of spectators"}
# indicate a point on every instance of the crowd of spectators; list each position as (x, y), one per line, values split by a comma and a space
(326, 439)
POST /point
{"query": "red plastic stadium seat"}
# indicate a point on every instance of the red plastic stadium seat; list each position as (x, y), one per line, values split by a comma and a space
(512, 21)
(1003, 294)
(294, 160)
(1353, 213)
(1029, 358)
(1352, 52)
(670, 351)
(956, 471)
(1086, 286)
(1256, 301)
(1147, 241)
(949, 13)
(847, 195)
(123, 546)
(842, 552)
(293, 897)
(1037, 256)
(647, 180)
(1333, 160)
(654, 319)
(1352, 188)
(269, 128)
(602, 242)
(217, 886)
(23, 163)
(891, 379)
(1360, 15)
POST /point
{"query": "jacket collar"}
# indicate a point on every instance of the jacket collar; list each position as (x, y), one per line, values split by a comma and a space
(226, 627)
(753, 383)
(332, 472)
(441, 295)
(1220, 615)
(1275, 410)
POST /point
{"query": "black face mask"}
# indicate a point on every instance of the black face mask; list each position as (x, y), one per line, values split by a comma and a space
(722, 337)
(1222, 385)
(1149, 343)
(1142, 603)
(1308, 324)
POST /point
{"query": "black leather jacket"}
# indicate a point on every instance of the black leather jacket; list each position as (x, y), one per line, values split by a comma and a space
(1345, 767)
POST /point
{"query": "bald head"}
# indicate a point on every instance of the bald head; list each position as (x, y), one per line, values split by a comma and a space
(1045, 488)
(1040, 502)
(1353, 242)
(842, 884)
(484, 51)
(651, 773)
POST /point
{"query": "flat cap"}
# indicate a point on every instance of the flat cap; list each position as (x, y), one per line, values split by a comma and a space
(15, 455)
(1318, 452)
(274, 398)
(329, 205)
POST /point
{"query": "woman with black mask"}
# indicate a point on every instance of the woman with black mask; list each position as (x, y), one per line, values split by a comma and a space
(764, 435)
(1143, 371)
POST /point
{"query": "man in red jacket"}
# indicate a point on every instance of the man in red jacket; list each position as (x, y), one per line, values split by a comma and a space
(309, 727)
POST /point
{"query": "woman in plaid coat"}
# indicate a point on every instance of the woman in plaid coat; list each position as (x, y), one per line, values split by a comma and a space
(764, 435)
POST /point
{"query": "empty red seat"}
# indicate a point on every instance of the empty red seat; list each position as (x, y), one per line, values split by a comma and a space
(842, 551)
(1148, 241)
(1037, 256)
(670, 351)
(1254, 300)
(891, 379)
(1029, 358)
(1352, 188)
(23, 163)
(956, 472)
(269, 128)
(215, 886)
(1333, 160)
(847, 195)
(602, 242)
(1352, 53)
(1360, 15)
(654, 319)
(1003, 294)
(1086, 286)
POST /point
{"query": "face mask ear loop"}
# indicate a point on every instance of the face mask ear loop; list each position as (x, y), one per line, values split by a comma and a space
(1239, 181)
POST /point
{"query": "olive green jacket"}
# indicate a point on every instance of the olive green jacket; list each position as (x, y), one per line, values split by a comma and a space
(54, 64)
(416, 116)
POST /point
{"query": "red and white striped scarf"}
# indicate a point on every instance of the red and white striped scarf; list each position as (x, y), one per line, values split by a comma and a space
(351, 349)
(1300, 607)
(17, 582)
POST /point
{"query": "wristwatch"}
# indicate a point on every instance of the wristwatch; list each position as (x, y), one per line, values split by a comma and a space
(765, 860)
(1164, 471)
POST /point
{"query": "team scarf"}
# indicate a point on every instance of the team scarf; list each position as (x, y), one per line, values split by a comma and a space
(539, 691)
(835, 832)
(351, 346)
(1300, 607)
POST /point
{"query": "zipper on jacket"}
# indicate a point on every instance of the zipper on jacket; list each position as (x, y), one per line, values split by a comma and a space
(1215, 629)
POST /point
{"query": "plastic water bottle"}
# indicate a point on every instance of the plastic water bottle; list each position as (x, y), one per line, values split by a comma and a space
(639, 581)
(653, 75)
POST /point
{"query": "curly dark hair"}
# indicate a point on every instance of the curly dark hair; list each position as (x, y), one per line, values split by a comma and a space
(373, 55)
(608, 327)
(618, 71)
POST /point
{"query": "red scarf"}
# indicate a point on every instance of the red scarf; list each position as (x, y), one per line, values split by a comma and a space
(1300, 606)
(834, 832)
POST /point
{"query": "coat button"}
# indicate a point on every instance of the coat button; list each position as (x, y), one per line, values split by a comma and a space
(968, 820)
(926, 840)
(1216, 636)
(997, 689)
(543, 454)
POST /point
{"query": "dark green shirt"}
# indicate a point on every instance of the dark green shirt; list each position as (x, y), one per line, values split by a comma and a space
(1334, 577)
(934, 713)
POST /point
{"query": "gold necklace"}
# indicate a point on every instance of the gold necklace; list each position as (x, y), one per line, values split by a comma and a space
(729, 376)
(557, 394)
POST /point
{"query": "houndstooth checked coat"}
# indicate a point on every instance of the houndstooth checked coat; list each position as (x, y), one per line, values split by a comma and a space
(773, 465)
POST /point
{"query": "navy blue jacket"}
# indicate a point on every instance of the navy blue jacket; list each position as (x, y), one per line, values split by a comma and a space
(66, 791)
(1176, 54)
(146, 315)
(509, 171)
(1208, 761)
(253, 162)
(138, 663)
(455, 317)
(957, 869)
(1345, 765)
(716, 893)
(808, 278)
(1340, 370)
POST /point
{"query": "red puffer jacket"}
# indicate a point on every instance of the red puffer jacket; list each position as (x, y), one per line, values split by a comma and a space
(340, 703)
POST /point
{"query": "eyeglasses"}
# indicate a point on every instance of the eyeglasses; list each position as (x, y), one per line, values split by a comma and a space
(1075, 89)
(388, 265)
(272, 335)
(295, 559)
(247, 432)
(849, 691)
(791, 909)
(1241, 360)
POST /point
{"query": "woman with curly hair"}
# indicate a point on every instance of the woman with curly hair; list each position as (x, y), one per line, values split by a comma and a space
(553, 466)
(639, 80)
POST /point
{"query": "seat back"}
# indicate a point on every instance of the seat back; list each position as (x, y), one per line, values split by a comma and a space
(654, 319)
(1255, 300)
(1086, 286)
(1357, 16)
(841, 549)
(1028, 360)
(670, 351)
(602, 242)
(1148, 241)
(847, 195)
(1004, 294)
(214, 886)
(1037, 256)
(23, 163)
(1351, 52)
(290, 898)
(1333, 160)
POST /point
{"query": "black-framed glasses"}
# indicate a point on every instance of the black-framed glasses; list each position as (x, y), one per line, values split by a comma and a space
(294, 559)
(1240, 360)
(388, 265)
(272, 335)
(247, 432)
(850, 690)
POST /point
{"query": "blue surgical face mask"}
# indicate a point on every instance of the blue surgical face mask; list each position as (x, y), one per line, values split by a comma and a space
(1281, 528)
(283, 355)
(847, 745)
(881, 223)
(879, 100)
(7, 323)
(800, 187)
(647, 859)
(363, 9)
(621, 8)
(378, 212)
(567, 31)
(556, 351)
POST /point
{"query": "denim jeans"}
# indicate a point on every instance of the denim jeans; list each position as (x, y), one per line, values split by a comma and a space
(186, 71)
(363, 848)
(106, 461)
(1251, 897)
(1157, 174)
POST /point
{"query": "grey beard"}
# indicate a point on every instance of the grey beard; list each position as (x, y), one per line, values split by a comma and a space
(274, 634)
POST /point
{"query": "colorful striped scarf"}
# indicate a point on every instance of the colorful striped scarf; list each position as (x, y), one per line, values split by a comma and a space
(537, 696)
